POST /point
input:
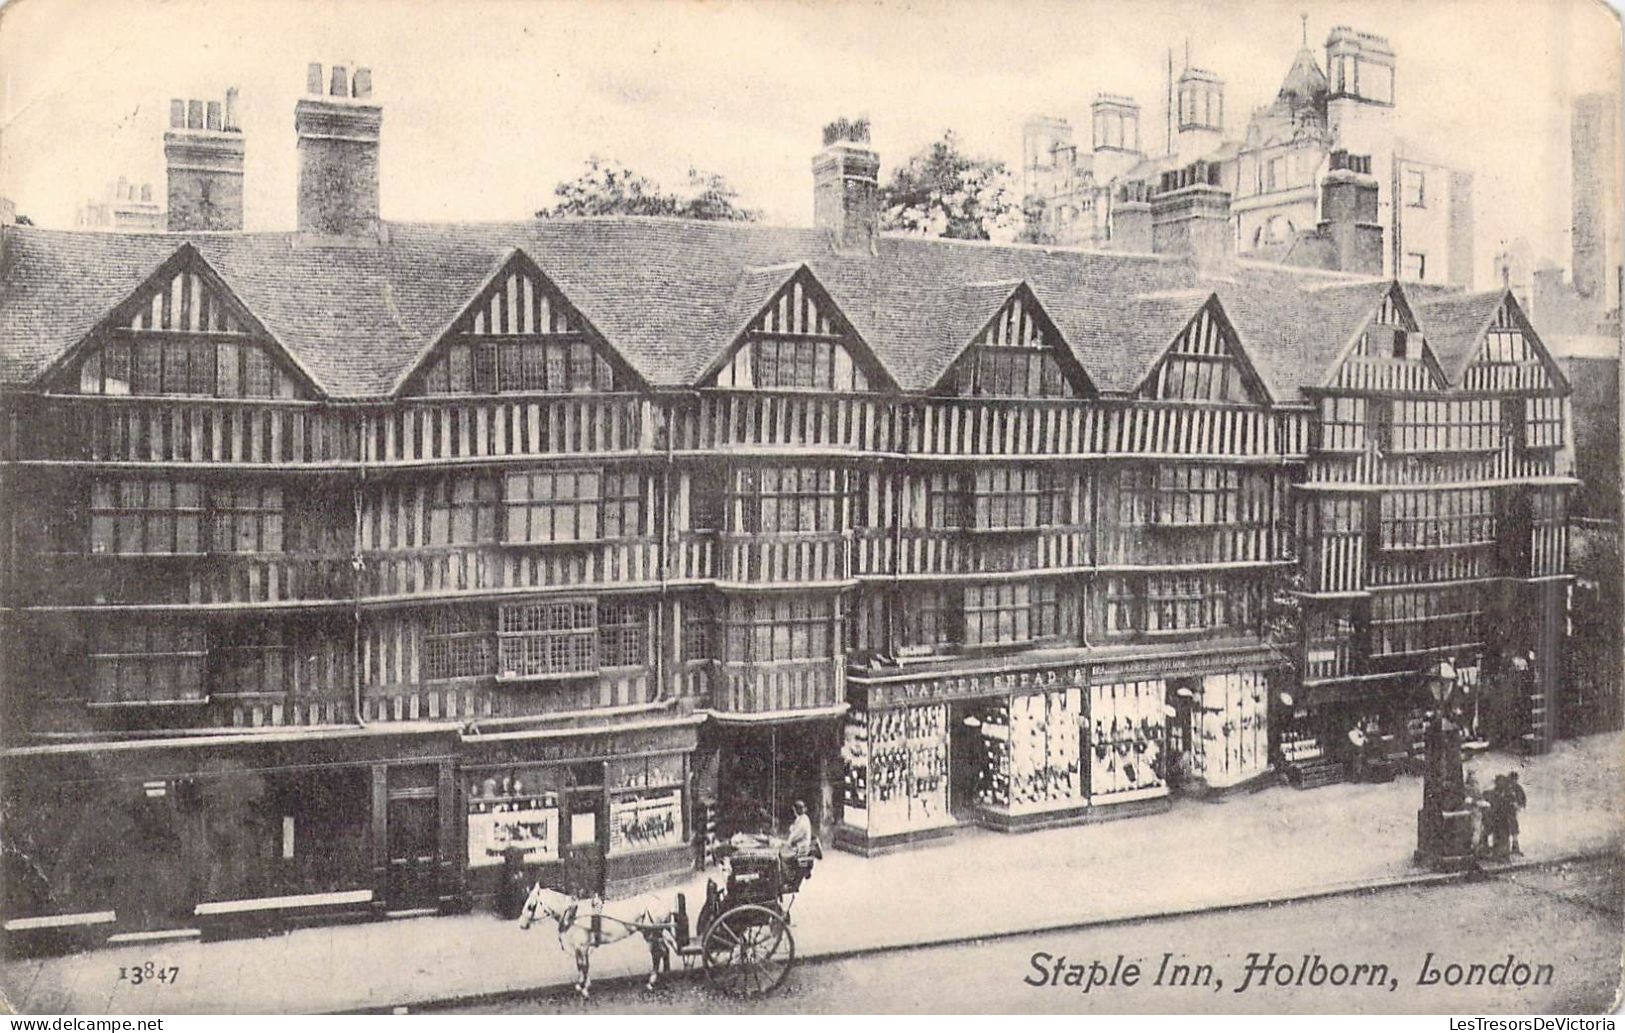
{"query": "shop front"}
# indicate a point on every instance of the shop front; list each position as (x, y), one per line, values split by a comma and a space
(233, 830)
(600, 809)
(756, 768)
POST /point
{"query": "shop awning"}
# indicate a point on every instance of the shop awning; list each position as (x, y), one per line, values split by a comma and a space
(779, 716)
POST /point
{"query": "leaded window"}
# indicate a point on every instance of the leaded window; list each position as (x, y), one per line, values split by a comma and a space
(623, 634)
(458, 644)
(144, 518)
(541, 639)
(147, 662)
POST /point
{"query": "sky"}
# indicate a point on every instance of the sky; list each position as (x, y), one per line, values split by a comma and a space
(489, 103)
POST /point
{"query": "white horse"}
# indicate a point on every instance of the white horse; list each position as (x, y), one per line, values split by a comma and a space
(586, 924)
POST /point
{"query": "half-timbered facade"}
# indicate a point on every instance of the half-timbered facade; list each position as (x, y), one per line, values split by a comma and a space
(364, 570)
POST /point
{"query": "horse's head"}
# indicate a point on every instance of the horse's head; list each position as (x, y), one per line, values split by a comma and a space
(543, 903)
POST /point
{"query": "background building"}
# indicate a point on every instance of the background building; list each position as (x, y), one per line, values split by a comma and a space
(1274, 169)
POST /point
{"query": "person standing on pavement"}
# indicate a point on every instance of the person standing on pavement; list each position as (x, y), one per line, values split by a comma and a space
(1516, 801)
(1500, 803)
(1473, 799)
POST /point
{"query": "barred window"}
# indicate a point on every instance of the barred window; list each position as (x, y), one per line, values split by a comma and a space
(1437, 519)
(623, 505)
(458, 644)
(1421, 620)
(135, 518)
(147, 662)
(1185, 602)
(227, 369)
(767, 630)
(462, 511)
(777, 500)
(247, 519)
(699, 630)
(1543, 426)
(794, 363)
(623, 634)
(558, 505)
(1007, 498)
(948, 500)
(1122, 616)
(496, 367)
(1136, 497)
(251, 659)
(1342, 424)
(1019, 612)
(558, 637)
(1341, 516)
(1197, 495)
(932, 617)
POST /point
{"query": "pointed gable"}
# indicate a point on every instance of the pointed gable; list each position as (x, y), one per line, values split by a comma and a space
(1487, 344)
(182, 331)
(794, 337)
(1389, 352)
(518, 334)
(1014, 349)
(1205, 362)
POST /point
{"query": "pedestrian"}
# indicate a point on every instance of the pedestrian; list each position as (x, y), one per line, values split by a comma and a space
(1357, 739)
(1500, 799)
(1516, 801)
(1473, 799)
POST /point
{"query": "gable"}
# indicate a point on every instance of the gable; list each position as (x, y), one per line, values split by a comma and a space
(1511, 358)
(1205, 362)
(797, 340)
(1389, 353)
(1018, 352)
(518, 334)
(181, 332)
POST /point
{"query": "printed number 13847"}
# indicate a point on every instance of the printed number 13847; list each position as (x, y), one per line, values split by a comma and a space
(149, 973)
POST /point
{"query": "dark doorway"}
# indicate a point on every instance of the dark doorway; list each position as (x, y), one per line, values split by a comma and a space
(585, 833)
(413, 837)
(964, 760)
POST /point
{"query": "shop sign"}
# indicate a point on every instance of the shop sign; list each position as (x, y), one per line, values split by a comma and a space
(973, 686)
(534, 833)
(1183, 664)
(591, 746)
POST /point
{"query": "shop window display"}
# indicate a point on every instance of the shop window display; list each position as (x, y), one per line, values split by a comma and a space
(1126, 741)
(511, 810)
(897, 769)
(645, 804)
(1231, 743)
(1032, 758)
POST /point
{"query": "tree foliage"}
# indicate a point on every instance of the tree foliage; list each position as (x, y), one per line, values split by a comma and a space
(944, 192)
(610, 188)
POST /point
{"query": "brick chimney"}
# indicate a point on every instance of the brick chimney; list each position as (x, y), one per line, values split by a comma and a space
(1131, 217)
(846, 186)
(338, 155)
(203, 150)
(1190, 215)
(1348, 209)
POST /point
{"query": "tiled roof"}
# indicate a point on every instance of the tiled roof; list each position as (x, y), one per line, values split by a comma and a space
(671, 295)
(1456, 325)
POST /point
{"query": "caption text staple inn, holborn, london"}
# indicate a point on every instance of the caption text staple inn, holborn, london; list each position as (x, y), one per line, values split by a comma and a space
(352, 566)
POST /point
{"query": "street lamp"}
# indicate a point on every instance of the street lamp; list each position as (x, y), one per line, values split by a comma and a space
(1444, 825)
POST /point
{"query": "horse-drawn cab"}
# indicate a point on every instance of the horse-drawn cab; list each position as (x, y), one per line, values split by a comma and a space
(744, 929)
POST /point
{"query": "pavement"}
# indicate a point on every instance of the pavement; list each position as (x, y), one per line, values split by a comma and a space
(1274, 845)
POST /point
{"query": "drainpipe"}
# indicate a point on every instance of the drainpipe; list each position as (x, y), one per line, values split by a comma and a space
(357, 564)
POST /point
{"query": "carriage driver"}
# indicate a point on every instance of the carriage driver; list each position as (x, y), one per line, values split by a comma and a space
(800, 839)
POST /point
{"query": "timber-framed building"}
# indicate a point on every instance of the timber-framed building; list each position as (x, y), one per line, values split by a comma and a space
(354, 567)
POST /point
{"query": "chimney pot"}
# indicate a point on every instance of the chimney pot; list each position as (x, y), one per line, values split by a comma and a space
(339, 87)
(361, 83)
(212, 119)
(177, 114)
(846, 184)
(194, 114)
(146, 193)
(313, 79)
(231, 109)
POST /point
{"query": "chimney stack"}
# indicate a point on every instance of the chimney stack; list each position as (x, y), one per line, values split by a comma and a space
(1348, 208)
(204, 155)
(338, 155)
(846, 186)
(1190, 215)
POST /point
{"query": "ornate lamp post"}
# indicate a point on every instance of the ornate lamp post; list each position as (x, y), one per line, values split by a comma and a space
(1444, 826)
